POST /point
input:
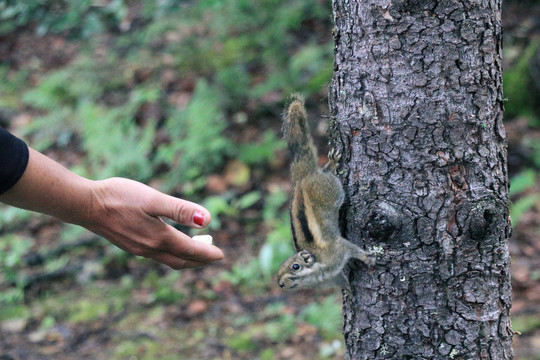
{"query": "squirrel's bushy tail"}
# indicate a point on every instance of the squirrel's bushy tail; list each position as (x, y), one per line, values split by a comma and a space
(298, 137)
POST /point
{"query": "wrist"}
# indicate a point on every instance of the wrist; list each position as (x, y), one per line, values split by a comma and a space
(82, 208)
(101, 202)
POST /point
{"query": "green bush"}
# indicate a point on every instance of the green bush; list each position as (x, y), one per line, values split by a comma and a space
(519, 89)
(12, 249)
(81, 18)
(197, 144)
(326, 316)
(114, 144)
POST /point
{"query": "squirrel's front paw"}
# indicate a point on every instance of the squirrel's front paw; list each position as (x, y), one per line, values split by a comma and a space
(371, 260)
(368, 259)
(334, 155)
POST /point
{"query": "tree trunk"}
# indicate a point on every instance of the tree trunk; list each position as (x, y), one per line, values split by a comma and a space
(416, 102)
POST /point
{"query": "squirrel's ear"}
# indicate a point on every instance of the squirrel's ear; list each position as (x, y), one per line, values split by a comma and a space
(308, 258)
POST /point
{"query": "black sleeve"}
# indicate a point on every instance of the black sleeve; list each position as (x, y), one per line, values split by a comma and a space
(13, 160)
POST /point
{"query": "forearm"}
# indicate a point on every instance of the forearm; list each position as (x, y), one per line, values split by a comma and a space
(48, 187)
(125, 212)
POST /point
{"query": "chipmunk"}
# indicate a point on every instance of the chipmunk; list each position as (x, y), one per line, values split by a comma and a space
(317, 196)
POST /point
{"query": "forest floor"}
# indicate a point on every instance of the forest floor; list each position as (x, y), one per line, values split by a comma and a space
(84, 300)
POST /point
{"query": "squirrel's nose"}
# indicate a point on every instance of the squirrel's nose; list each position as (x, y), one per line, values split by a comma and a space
(281, 284)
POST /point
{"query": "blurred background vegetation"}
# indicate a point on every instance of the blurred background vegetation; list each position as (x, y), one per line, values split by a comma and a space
(186, 96)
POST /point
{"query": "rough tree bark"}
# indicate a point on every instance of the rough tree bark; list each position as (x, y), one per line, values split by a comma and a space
(416, 102)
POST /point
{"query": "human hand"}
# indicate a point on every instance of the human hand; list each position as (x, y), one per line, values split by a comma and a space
(127, 213)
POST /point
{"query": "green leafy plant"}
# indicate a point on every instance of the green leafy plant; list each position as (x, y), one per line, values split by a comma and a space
(260, 152)
(197, 145)
(519, 184)
(278, 244)
(252, 48)
(245, 274)
(519, 87)
(276, 249)
(228, 204)
(279, 325)
(326, 316)
(11, 217)
(81, 18)
(115, 145)
(163, 289)
(12, 249)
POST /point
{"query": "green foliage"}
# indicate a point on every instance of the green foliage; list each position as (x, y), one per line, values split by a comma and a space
(245, 274)
(12, 82)
(521, 206)
(11, 217)
(312, 66)
(518, 85)
(96, 302)
(279, 325)
(274, 205)
(56, 128)
(523, 97)
(229, 204)
(162, 287)
(47, 323)
(278, 245)
(536, 151)
(276, 249)
(520, 183)
(274, 324)
(61, 94)
(268, 354)
(115, 145)
(272, 253)
(87, 310)
(242, 343)
(10, 310)
(326, 316)
(142, 349)
(81, 18)
(12, 249)
(197, 146)
(525, 324)
(261, 152)
(84, 79)
(252, 48)
(331, 350)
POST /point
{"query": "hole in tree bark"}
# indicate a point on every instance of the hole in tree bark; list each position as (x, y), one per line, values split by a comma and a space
(383, 221)
(488, 216)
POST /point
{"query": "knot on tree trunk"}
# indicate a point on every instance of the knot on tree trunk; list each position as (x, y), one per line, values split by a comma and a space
(480, 220)
(478, 217)
(383, 221)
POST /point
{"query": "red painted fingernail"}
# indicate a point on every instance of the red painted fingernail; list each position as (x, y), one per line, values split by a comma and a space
(198, 218)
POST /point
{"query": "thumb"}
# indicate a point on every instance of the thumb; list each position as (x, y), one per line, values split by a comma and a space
(181, 211)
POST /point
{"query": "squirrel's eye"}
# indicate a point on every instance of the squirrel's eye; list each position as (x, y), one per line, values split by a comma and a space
(295, 267)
